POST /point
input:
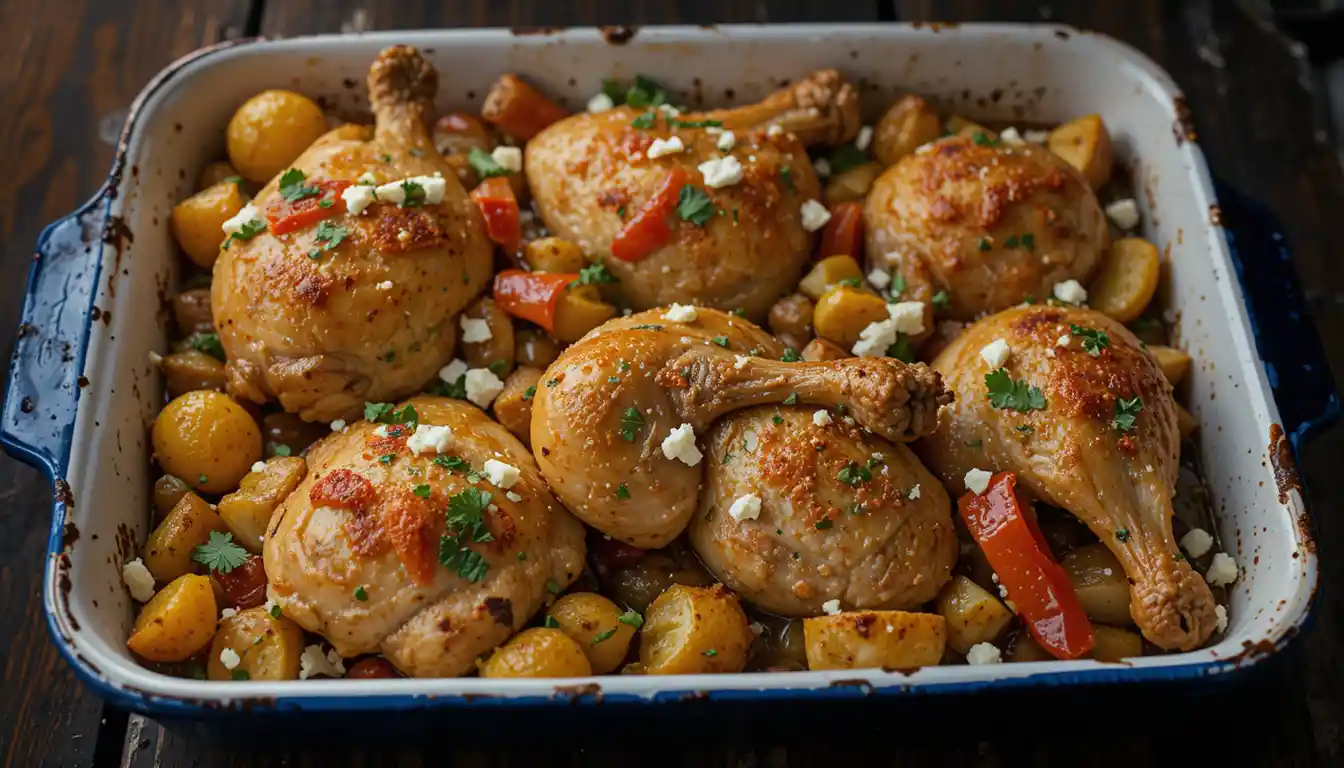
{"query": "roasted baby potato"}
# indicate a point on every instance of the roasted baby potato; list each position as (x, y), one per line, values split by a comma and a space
(579, 310)
(830, 271)
(191, 311)
(1085, 144)
(191, 370)
(216, 172)
(267, 648)
(822, 350)
(1174, 363)
(1186, 423)
(168, 490)
(1025, 648)
(196, 221)
(206, 439)
(1100, 583)
(907, 124)
(961, 126)
(372, 668)
(1127, 280)
(595, 623)
(538, 652)
(972, 614)
(457, 133)
(844, 311)
(791, 320)
(168, 551)
(887, 639)
(1115, 644)
(534, 349)
(513, 407)
(554, 254)
(496, 352)
(694, 630)
(850, 185)
(247, 511)
(270, 130)
(177, 623)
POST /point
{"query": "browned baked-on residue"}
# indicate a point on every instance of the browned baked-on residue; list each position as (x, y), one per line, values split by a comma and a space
(500, 609)
(1215, 215)
(576, 692)
(61, 490)
(619, 35)
(69, 535)
(1184, 126)
(1286, 476)
(526, 31)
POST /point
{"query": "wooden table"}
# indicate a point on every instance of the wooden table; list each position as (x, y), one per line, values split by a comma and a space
(69, 69)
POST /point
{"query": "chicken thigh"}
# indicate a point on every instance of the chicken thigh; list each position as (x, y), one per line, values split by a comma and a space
(795, 513)
(990, 223)
(591, 174)
(336, 303)
(430, 544)
(1096, 437)
(615, 422)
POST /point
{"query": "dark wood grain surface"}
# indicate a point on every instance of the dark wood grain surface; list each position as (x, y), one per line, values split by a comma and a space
(69, 69)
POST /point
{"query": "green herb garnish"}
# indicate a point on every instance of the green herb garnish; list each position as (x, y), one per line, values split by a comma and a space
(1004, 393)
(361, 594)
(695, 206)
(632, 618)
(1126, 411)
(853, 474)
(292, 187)
(622, 492)
(790, 355)
(466, 525)
(220, 553)
(484, 164)
(208, 343)
(1094, 341)
(595, 274)
(631, 422)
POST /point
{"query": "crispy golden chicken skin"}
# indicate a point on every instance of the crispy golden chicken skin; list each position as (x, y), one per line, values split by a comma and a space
(590, 174)
(354, 553)
(828, 512)
(1077, 453)
(323, 323)
(990, 224)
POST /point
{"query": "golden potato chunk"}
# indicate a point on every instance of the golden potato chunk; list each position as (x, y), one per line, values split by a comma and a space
(191, 370)
(973, 615)
(254, 645)
(850, 185)
(1127, 280)
(554, 254)
(513, 407)
(216, 172)
(579, 310)
(600, 628)
(1174, 363)
(187, 526)
(270, 130)
(791, 320)
(1115, 644)
(247, 511)
(196, 222)
(821, 350)
(206, 439)
(907, 124)
(538, 652)
(863, 639)
(1085, 144)
(177, 623)
(844, 311)
(695, 630)
(1186, 423)
(830, 271)
(1100, 582)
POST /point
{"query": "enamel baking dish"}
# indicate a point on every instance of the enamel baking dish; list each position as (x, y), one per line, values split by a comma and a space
(82, 392)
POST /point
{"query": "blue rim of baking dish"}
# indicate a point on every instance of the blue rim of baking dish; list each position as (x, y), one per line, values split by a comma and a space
(56, 353)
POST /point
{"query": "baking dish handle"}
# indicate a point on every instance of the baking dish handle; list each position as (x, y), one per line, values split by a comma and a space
(1285, 335)
(43, 383)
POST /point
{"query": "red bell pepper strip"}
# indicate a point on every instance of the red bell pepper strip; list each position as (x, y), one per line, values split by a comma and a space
(1042, 594)
(495, 199)
(283, 216)
(648, 229)
(531, 295)
(843, 235)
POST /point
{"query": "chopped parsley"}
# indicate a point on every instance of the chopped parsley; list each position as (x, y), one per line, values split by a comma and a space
(1004, 393)
(777, 419)
(622, 492)
(790, 355)
(450, 463)
(207, 343)
(643, 92)
(549, 622)
(897, 284)
(786, 176)
(1122, 534)
(825, 524)
(632, 618)
(853, 474)
(985, 244)
(847, 156)
(1010, 241)
(791, 399)
(645, 120)
(484, 164)
(709, 652)
(604, 635)
(595, 274)
(330, 235)
(220, 553)
(552, 587)
(695, 206)
(466, 525)
(940, 300)
(529, 393)
(852, 282)
(415, 194)
(280, 449)
(422, 491)
(1126, 411)
(631, 422)
(613, 379)
(1025, 429)
(722, 341)
(328, 203)
(497, 367)
(976, 443)
(901, 349)
(249, 229)
(361, 594)
(231, 180)
(386, 458)
(1027, 241)
(240, 674)
(695, 123)
(292, 187)
(646, 327)
(388, 413)
(551, 383)
(739, 312)
(276, 612)
(1094, 341)
(521, 555)
(982, 139)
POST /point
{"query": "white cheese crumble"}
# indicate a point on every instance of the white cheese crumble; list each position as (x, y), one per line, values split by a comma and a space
(228, 613)
(879, 278)
(757, 628)
(1036, 136)
(1010, 135)
(821, 417)
(514, 497)
(501, 474)
(138, 580)
(721, 172)
(380, 430)
(483, 386)
(663, 147)
(822, 166)
(1124, 213)
(395, 192)
(669, 110)
(908, 316)
(474, 330)
(258, 466)
(230, 658)
(1222, 571)
(367, 179)
(680, 444)
(338, 425)
(914, 493)
(386, 285)
(831, 607)
(864, 138)
(995, 353)
(740, 362)
(600, 103)
(357, 197)
(727, 140)
(774, 130)
(680, 313)
(453, 371)
(983, 653)
(977, 480)
(1064, 341)
(877, 337)
(508, 158)
(235, 224)
(746, 507)
(1219, 618)
(815, 215)
(1070, 292)
(430, 438)
(314, 662)
(1197, 542)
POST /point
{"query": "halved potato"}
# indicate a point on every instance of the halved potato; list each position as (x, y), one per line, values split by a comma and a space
(973, 615)
(177, 622)
(1186, 423)
(1100, 582)
(907, 124)
(1115, 644)
(844, 311)
(863, 639)
(538, 652)
(169, 548)
(830, 271)
(579, 310)
(850, 185)
(594, 622)
(1174, 363)
(1085, 144)
(247, 511)
(1127, 280)
(694, 630)
(268, 648)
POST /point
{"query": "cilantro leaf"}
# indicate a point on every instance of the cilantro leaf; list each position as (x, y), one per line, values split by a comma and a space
(483, 163)
(330, 234)
(1126, 411)
(596, 274)
(940, 300)
(790, 355)
(207, 343)
(631, 422)
(854, 473)
(695, 206)
(387, 413)
(645, 92)
(1004, 393)
(1094, 341)
(645, 120)
(450, 462)
(292, 187)
(466, 526)
(250, 229)
(376, 411)
(632, 618)
(220, 553)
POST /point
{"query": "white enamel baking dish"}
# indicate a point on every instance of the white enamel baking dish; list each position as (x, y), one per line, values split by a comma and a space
(82, 393)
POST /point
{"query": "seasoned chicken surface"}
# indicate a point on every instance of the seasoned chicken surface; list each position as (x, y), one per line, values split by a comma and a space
(354, 307)
(843, 515)
(992, 224)
(591, 173)
(372, 514)
(1079, 452)
(603, 419)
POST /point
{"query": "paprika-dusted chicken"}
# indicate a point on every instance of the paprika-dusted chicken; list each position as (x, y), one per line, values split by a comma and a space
(370, 249)
(988, 222)
(795, 514)
(1084, 417)
(732, 184)
(428, 543)
(616, 419)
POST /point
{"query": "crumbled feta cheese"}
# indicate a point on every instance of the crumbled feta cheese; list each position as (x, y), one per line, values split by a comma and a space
(483, 386)
(977, 480)
(995, 353)
(514, 497)
(314, 662)
(721, 172)
(474, 330)
(1010, 135)
(1197, 542)
(228, 613)
(338, 425)
(270, 606)
(1035, 136)
(357, 197)
(395, 192)
(258, 466)
(1070, 292)
(600, 103)
(1219, 618)
(501, 474)
(983, 653)
(380, 430)
(1064, 341)
(774, 130)
(669, 110)
(864, 138)
(680, 444)
(746, 507)
(815, 215)
(367, 179)
(155, 358)
(680, 313)
(1124, 213)
(430, 438)
(386, 285)
(727, 140)
(875, 339)
(831, 607)
(453, 371)
(880, 278)
(740, 362)
(908, 316)
(914, 493)
(1049, 351)
(1222, 571)
(235, 224)
(138, 580)
(663, 147)
(821, 417)
(230, 658)
(508, 158)
(757, 628)
(822, 166)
